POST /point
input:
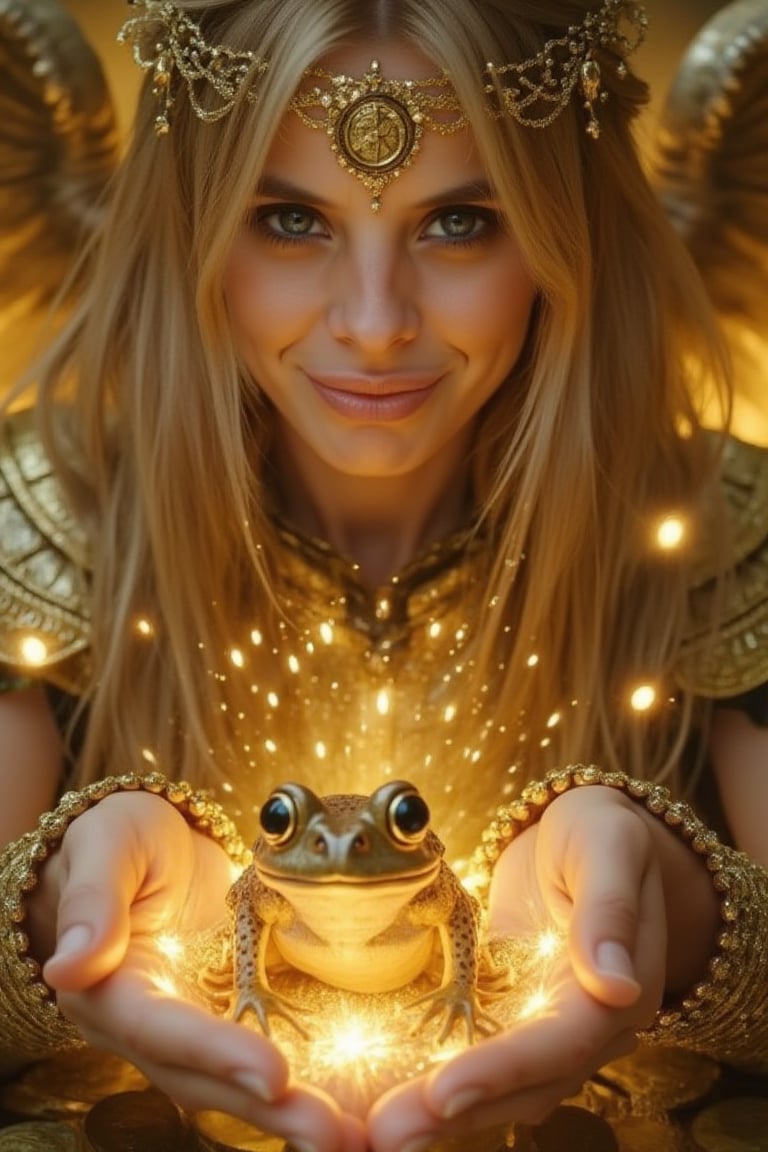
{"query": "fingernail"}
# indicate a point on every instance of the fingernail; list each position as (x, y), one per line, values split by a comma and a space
(254, 1084)
(460, 1102)
(613, 960)
(75, 939)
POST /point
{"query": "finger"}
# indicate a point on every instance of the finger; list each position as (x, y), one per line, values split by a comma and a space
(617, 896)
(573, 1043)
(93, 925)
(403, 1119)
(128, 1016)
(353, 1134)
(302, 1116)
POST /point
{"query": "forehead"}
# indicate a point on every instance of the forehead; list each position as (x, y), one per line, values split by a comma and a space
(303, 156)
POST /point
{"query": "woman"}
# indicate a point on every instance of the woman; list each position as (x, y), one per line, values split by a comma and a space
(367, 421)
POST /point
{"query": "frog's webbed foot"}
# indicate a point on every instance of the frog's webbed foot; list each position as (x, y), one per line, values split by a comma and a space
(455, 1005)
(264, 1003)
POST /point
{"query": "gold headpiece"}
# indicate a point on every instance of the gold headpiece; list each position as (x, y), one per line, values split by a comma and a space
(375, 124)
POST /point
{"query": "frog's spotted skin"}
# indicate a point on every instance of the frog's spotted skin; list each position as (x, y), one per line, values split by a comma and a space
(354, 891)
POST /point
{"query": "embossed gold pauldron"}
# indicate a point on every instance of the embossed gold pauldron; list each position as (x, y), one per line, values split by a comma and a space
(376, 124)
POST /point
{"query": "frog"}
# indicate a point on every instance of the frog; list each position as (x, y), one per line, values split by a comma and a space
(355, 892)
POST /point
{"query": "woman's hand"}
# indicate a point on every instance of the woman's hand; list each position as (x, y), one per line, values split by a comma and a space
(129, 870)
(593, 867)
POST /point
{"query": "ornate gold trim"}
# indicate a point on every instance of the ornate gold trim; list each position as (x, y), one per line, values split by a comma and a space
(44, 593)
(733, 657)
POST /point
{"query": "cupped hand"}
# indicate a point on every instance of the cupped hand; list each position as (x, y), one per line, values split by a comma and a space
(129, 870)
(590, 869)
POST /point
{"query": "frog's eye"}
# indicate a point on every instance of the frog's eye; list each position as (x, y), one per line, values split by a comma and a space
(278, 818)
(408, 817)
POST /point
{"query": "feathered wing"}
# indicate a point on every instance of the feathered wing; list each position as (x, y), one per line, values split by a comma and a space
(58, 147)
(713, 178)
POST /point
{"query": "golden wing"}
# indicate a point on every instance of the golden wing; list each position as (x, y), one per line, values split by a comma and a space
(58, 147)
(712, 174)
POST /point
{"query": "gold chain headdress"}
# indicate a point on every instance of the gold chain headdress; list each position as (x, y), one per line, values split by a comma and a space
(375, 124)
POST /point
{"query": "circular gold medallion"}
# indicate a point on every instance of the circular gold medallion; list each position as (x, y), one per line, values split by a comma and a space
(376, 134)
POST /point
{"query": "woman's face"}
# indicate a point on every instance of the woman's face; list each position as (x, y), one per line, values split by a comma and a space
(377, 337)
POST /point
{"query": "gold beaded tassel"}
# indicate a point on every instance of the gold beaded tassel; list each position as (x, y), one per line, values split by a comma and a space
(590, 83)
(170, 45)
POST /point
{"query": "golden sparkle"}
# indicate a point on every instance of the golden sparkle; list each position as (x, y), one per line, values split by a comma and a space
(383, 702)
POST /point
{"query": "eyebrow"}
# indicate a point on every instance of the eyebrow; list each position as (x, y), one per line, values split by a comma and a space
(284, 190)
(469, 192)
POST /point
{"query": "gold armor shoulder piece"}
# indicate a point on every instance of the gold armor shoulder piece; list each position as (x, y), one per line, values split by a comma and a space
(726, 650)
(44, 595)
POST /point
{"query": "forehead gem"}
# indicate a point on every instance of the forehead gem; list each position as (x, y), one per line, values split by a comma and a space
(375, 124)
(376, 134)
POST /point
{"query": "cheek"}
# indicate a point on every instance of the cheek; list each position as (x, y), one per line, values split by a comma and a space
(265, 304)
(488, 310)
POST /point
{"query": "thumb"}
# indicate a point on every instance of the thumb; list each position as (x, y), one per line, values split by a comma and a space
(98, 886)
(614, 893)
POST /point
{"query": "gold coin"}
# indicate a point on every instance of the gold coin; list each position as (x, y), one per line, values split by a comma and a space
(663, 1078)
(135, 1120)
(575, 1129)
(640, 1134)
(70, 1084)
(739, 1125)
(222, 1133)
(39, 1137)
(80, 1080)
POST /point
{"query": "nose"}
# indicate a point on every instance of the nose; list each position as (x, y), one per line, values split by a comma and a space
(344, 846)
(374, 299)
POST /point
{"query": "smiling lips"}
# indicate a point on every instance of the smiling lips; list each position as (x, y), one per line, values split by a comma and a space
(389, 397)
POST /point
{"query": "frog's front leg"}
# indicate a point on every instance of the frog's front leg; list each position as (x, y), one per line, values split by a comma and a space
(257, 909)
(457, 997)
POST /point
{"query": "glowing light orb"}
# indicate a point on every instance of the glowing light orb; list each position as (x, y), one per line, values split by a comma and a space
(643, 698)
(34, 651)
(670, 533)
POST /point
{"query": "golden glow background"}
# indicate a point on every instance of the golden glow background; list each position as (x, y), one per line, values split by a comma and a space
(673, 23)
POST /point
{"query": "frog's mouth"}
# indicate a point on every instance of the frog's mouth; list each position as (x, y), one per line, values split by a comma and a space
(358, 908)
(396, 878)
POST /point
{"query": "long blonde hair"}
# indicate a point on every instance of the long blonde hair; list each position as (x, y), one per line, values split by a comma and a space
(574, 459)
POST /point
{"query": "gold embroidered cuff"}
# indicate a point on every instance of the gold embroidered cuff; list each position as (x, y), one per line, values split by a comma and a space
(32, 1026)
(726, 1015)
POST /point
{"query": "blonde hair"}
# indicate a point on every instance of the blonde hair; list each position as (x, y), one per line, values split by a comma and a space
(576, 456)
